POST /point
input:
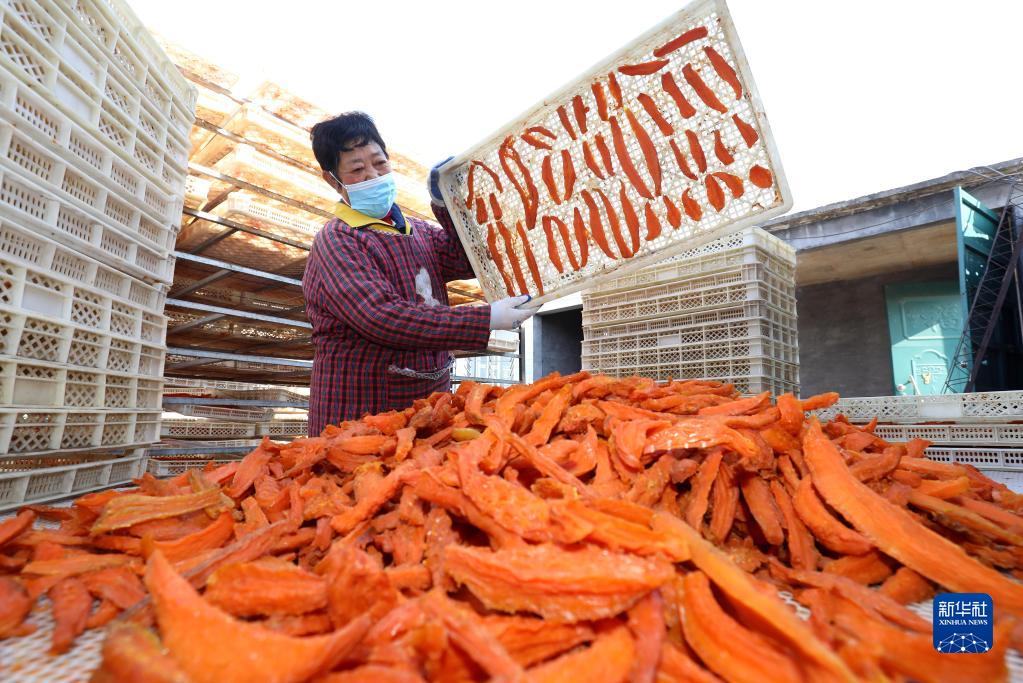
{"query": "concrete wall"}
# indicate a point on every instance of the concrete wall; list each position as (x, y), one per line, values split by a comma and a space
(844, 344)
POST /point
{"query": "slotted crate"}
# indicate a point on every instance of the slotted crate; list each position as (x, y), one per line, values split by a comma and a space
(37, 431)
(672, 303)
(224, 413)
(678, 364)
(197, 191)
(39, 45)
(746, 247)
(186, 428)
(169, 467)
(252, 122)
(997, 458)
(38, 384)
(245, 210)
(43, 484)
(283, 428)
(42, 275)
(988, 406)
(973, 434)
(556, 130)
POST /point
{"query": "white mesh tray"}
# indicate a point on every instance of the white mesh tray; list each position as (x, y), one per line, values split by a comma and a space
(486, 237)
(987, 406)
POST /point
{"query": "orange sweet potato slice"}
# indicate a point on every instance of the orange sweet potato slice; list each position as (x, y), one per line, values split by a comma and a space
(15, 604)
(212, 536)
(13, 527)
(73, 565)
(905, 586)
(467, 630)
(268, 586)
(356, 585)
(868, 569)
(896, 533)
(118, 585)
(700, 498)
(130, 509)
(372, 501)
(646, 622)
(802, 551)
(945, 510)
(71, 606)
(213, 647)
(757, 494)
(530, 640)
(757, 598)
(726, 646)
(678, 667)
(607, 660)
(133, 654)
(831, 533)
(568, 585)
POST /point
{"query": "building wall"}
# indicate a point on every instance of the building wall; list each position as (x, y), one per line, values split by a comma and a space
(557, 342)
(844, 344)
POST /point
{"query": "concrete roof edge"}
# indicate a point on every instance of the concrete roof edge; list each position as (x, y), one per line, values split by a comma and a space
(967, 178)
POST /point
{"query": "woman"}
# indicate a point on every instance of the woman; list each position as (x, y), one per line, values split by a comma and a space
(375, 291)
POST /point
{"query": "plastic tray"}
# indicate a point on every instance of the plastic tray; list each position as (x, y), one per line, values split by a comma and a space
(26, 204)
(754, 206)
(743, 322)
(172, 467)
(635, 356)
(36, 431)
(749, 246)
(681, 363)
(83, 84)
(37, 384)
(52, 483)
(997, 458)
(223, 413)
(248, 164)
(973, 434)
(41, 274)
(283, 428)
(254, 123)
(990, 406)
(670, 303)
(197, 191)
(244, 210)
(184, 428)
(502, 341)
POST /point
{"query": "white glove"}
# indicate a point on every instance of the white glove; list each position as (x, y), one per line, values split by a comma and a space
(506, 314)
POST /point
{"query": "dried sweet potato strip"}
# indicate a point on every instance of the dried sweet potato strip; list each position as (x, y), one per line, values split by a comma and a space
(704, 91)
(534, 269)
(700, 498)
(605, 152)
(831, 533)
(591, 161)
(607, 660)
(680, 159)
(944, 509)
(597, 225)
(802, 553)
(678, 667)
(568, 170)
(513, 258)
(130, 509)
(727, 647)
(673, 213)
(653, 224)
(646, 145)
(598, 94)
(615, 224)
(757, 597)
(749, 135)
(906, 587)
(757, 494)
(547, 173)
(625, 160)
(382, 492)
(655, 114)
(495, 254)
(15, 604)
(681, 41)
(71, 606)
(265, 587)
(557, 584)
(670, 86)
(724, 70)
(896, 533)
(646, 622)
(725, 498)
(470, 634)
(74, 565)
(867, 569)
(13, 527)
(195, 633)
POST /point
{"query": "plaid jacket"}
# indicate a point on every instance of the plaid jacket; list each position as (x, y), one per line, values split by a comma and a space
(369, 314)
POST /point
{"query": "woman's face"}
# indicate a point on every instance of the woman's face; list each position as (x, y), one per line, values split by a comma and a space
(361, 164)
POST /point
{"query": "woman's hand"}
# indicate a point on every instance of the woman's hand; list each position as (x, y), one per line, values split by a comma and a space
(506, 314)
(433, 184)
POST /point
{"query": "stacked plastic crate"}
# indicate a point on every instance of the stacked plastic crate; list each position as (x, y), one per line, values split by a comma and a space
(725, 311)
(983, 429)
(94, 123)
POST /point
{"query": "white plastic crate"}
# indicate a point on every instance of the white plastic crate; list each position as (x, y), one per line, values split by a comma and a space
(244, 210)
(973, 434)
(671, 303)
(64, 175)
(36, 431)
(503, 341)
(197, 191)
(749, 272)
(283, 428)
(997, 458)
(661, 364)
(25, 204)
(748, 246)
(48, 385)
(37, 273)
(224, 413)
(84, 85)
(51, 483)
(630, 355)
(753, 203)
(989, 406)
(97, 77)
(185, 428)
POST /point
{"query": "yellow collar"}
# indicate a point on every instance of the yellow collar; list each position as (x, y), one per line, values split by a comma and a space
(357, 219)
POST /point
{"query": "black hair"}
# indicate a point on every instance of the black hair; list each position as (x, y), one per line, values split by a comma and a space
(343, 133)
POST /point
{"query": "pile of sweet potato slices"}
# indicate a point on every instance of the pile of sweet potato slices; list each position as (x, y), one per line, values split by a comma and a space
(578, 528)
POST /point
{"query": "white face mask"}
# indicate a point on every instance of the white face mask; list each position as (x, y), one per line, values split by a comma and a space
(373, 197)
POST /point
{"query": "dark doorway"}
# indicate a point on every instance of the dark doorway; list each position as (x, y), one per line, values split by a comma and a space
(557, 342)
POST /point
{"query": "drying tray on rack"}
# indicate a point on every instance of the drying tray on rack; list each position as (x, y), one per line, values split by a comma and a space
(524, 197)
